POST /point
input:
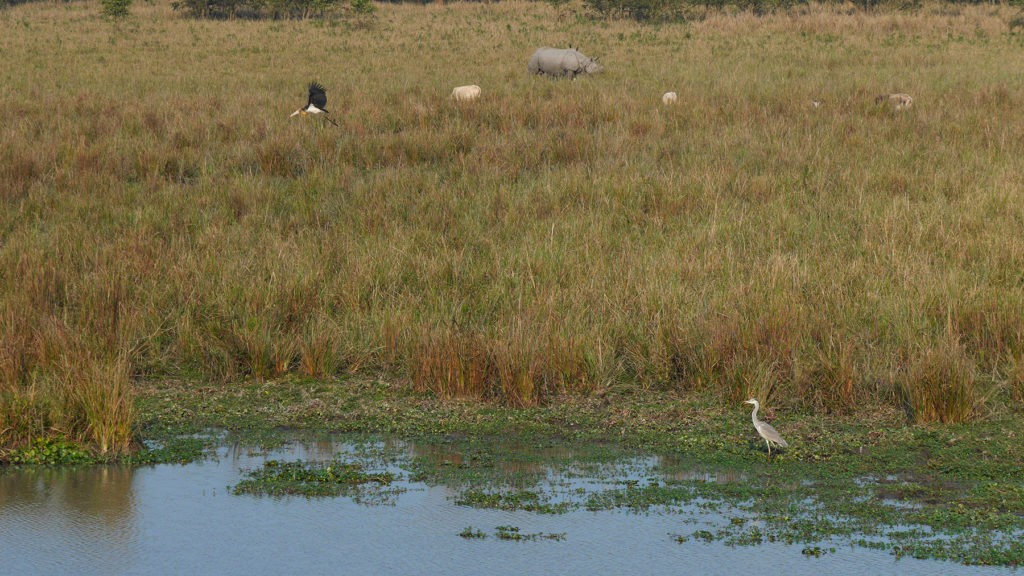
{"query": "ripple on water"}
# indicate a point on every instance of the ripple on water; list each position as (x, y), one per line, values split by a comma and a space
(172, 519)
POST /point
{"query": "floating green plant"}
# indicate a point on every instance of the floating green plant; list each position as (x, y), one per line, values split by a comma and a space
(528, 500)
(51, 452)
(469, 533)
(177, 450)
(335, 478)
(513, 533)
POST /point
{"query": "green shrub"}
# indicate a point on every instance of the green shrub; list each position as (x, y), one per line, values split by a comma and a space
(363, 7)
(639, 10)
(116, 9)
(215, 8)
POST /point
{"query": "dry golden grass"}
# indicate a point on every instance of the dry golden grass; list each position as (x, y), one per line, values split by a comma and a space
(162, 214)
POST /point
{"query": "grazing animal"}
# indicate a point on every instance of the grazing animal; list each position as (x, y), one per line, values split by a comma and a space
(317, 103)
(770, 435)
(466, 93)
(669, 98)
(562, 62)
(901, 101)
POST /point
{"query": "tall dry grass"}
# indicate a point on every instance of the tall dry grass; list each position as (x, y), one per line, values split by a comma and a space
(162, 214)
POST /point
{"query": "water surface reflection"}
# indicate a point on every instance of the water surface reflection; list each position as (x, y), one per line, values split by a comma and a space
(176, 519)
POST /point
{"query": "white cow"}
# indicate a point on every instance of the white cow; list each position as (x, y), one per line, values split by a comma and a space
(669, 98)
(466, 93)
(902, 101)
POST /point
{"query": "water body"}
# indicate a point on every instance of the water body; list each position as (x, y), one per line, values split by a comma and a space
(184, 519)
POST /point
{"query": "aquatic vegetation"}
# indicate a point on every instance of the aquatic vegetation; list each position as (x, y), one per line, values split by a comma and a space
(468, 532)
(276, 478)
(842, 480)
(513, 533)
(788, 501)
(51, 452)
(59, 451)
(530, 501)
(639, 499)
(704, 535)
(179, 450)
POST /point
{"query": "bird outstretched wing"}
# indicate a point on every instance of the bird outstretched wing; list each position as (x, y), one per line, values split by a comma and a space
(317, 95)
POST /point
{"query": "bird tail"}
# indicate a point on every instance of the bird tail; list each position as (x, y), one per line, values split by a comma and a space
(329, 119)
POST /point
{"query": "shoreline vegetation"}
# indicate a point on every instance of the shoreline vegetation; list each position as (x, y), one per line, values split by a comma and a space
(551, 243)
(949, 492)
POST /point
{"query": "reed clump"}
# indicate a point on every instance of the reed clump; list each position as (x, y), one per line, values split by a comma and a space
(164, 217)
(940, 386)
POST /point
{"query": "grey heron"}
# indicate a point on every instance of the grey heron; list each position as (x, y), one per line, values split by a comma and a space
(317, 103)
(770, 435)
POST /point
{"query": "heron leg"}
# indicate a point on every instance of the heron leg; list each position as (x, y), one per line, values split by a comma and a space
(769, 446)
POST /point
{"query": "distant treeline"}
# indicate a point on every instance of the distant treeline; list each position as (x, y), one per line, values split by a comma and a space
(640, 10)
(670, 10)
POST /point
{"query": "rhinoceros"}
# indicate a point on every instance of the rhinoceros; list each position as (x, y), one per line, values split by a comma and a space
(562, 62)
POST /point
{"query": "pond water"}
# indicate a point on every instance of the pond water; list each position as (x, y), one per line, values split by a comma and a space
(181, 519)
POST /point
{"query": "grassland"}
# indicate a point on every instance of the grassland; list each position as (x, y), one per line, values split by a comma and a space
(163, 219)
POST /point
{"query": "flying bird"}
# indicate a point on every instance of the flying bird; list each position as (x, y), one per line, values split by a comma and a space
(317, 103)
(770, 435)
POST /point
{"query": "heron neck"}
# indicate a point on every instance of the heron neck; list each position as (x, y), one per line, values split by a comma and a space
(753, 415)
